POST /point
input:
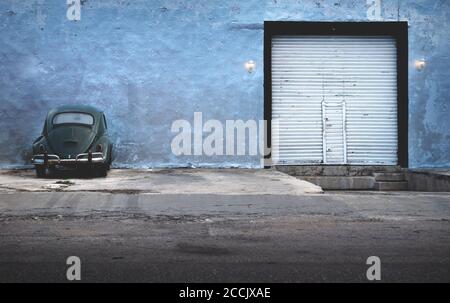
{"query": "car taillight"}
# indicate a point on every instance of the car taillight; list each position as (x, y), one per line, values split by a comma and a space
(99, 148)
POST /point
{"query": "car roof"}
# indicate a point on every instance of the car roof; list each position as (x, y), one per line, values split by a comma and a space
(76, 108)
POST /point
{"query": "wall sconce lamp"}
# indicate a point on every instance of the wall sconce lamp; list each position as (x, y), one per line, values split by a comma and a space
(250, 66)
(420, 64)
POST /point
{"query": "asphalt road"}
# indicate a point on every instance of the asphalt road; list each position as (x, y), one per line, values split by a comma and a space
(212, 238)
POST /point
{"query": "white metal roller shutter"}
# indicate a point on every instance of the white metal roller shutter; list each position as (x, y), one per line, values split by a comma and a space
(334, 100)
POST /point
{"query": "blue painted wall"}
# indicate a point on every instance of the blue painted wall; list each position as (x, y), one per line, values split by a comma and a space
(148, 63)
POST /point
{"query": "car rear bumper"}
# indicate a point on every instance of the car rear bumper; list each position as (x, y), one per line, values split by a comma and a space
(51, 159)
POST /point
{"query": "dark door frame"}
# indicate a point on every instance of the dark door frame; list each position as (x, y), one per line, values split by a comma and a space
(398, 30)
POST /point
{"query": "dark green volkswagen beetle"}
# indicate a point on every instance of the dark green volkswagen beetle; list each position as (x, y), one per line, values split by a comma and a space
(74, 137)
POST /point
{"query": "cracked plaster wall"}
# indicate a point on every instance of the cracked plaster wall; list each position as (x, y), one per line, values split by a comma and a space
(148, 63)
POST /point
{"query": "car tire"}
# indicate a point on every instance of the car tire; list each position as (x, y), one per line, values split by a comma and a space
(41, 172)
(101, 171)
(110, 159)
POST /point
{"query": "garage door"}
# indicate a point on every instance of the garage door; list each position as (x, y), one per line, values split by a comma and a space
(334, 100)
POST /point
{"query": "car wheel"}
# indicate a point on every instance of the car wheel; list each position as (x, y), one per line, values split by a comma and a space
(40, 172)
(101, 171)
(108, 164)
(110, 159)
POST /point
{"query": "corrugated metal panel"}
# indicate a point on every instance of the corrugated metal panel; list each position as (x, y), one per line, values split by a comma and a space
(359, 74)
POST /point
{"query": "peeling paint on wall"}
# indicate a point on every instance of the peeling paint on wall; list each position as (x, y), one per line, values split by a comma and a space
(148, 63)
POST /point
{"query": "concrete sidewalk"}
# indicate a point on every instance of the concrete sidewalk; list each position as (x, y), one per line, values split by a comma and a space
(165, 181)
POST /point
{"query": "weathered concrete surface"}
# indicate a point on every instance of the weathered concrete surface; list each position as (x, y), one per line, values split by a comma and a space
(149, 63)
(167, 181)
(337, 170)
(393, 186)
(341, 183)
(216, 238)
(437, 180)
(345, 177)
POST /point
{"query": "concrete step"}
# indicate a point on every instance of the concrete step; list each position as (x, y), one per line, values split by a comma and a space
(429, 180)
(337, 170)
(341, 183)
(389, 177)
(391, 186)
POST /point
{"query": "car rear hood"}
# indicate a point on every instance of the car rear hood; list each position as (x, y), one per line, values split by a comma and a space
(67, 141)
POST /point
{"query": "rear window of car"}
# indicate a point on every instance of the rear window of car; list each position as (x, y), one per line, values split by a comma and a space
(73, 118)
